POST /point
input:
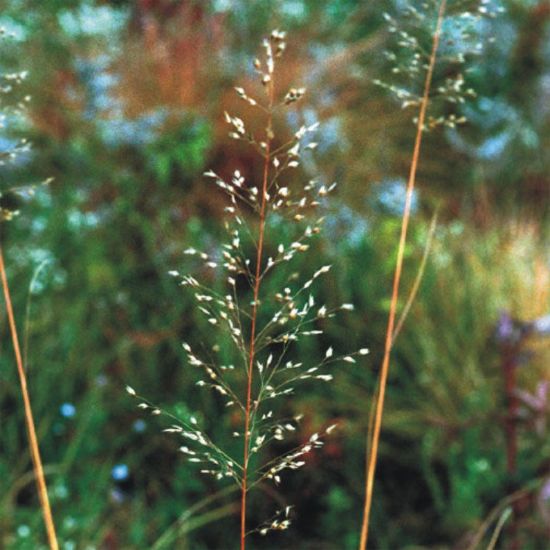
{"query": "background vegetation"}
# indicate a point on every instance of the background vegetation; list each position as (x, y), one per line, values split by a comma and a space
(125, 114)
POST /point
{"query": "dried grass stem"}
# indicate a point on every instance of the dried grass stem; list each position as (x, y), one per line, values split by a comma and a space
(33, 440)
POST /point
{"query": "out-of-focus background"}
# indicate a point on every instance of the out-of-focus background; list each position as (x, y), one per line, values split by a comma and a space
(126, 113)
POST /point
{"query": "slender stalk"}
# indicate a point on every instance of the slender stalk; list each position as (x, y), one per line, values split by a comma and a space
(418, 279)
(257, 282)
(33, 441)
(506, 502)
(372, 456)
(503, 519)
(509, 366)
(186, 522)
(27, 329)
(510, 354)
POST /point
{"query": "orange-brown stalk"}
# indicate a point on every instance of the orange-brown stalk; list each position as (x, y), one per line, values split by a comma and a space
(373, 451)
(33, 441)
(257, 281)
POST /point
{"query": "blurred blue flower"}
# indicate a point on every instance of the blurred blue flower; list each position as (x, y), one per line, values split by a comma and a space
(117, 496)
(139, 425)
(143, 130)
(93, 20)
(541, 326)
(23, 531)
(346, 225)
(68, 410)
(222, 5)
(101, 380)
(493, 147)
(61, 491)
(391, 195)
(294, 9)
(120, 472)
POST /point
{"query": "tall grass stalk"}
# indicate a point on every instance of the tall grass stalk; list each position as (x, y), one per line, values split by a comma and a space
(373, 447)
(31, 431)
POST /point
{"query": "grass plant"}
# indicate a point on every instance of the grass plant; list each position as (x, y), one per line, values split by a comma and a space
(420, 61)
(373, 443)
(29, 419)
(11, 107)
(261, 326)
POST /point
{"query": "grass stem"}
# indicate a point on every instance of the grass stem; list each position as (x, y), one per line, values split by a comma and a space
(33, 440)
(373, 448)
(257, 281)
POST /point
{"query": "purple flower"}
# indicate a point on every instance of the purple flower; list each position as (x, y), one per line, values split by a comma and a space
(543, 501)
(545, 491)
(505, 327)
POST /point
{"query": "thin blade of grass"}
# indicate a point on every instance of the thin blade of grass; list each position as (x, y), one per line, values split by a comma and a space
(502, 520)
(419, 276)
(529, 488)
(27, 330)
(178, 527)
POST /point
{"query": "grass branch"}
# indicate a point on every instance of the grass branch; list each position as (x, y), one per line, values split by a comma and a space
(418, 279)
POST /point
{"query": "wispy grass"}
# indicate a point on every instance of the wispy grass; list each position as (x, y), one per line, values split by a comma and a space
(373, 446)
(419, 57)
(261, 323)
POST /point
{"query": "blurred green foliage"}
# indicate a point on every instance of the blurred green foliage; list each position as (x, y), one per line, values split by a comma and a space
(126, 111)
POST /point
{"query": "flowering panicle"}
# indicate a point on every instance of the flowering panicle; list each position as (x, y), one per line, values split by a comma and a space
(262, 326)
(12, 109)
(409, 58)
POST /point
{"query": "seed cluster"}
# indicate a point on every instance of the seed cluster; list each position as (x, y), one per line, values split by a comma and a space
(12, 108)
(409, 56)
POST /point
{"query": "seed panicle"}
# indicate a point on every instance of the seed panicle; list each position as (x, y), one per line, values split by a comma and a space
(262, 343)
(409, 55)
